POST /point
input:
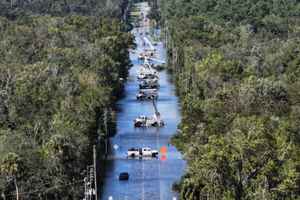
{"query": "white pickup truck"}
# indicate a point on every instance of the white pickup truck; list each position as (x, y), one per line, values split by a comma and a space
(144, 121)
(142, 152)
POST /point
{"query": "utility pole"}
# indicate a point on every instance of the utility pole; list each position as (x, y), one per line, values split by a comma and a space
(17, 188)
(90, 181)
(95, 172)
(92, 177)
(106, 131)
(85, 189)
(87, 185)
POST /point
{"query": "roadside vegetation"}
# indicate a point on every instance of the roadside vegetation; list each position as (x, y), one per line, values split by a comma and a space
(237, 69)
(62, 63)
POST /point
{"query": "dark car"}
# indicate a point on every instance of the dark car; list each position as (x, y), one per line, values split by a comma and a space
(124, 176)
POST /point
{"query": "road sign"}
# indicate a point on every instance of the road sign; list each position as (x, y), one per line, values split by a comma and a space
(163, 150)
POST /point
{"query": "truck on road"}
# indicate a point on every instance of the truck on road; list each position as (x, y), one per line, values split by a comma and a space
(142, 152)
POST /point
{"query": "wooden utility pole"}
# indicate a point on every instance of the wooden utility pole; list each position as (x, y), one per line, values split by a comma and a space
(106, 132)
(95, 171)
(17, 189)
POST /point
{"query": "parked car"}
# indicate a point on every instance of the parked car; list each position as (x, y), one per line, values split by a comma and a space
(124, 176)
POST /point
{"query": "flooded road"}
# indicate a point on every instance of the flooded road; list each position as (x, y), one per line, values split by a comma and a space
(150, 179)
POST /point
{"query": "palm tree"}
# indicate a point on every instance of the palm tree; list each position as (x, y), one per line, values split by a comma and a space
(9, 167)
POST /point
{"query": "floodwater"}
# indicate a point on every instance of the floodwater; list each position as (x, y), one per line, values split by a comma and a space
(150, 179)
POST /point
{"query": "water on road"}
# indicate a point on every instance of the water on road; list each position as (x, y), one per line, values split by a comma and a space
(150, 179)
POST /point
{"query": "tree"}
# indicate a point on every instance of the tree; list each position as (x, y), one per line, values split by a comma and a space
(236, 70)
(10, 167)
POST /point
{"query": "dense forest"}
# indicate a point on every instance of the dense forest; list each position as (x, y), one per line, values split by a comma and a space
(62, 64)
(237, 69)
(105, 8)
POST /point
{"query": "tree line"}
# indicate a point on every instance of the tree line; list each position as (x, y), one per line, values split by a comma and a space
(236, 65)
(20, 8)
(60, 70)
